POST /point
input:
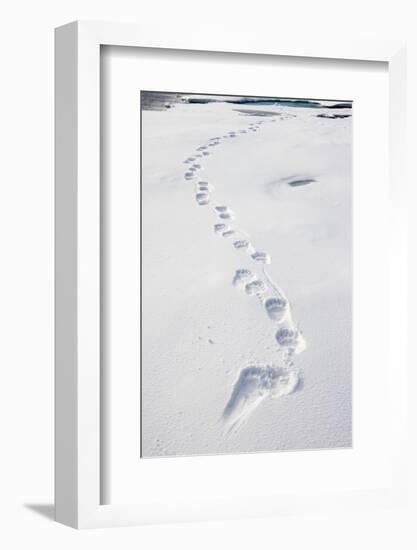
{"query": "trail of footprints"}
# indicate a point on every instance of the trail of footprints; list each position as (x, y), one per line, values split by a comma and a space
(254, 382)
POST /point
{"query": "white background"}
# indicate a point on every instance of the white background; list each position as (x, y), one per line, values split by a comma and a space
(26, 301)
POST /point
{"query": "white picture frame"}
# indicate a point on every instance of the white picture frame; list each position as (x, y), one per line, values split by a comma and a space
(78, 407)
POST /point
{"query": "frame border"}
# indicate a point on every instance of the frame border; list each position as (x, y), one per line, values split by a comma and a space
(77, 261)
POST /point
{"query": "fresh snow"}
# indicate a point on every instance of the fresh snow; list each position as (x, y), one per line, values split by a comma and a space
(246, 279)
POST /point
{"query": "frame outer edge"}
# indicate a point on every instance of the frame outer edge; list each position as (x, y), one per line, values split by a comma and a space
(66, 346)
(399, 245)
(77, 246)
(88, 275)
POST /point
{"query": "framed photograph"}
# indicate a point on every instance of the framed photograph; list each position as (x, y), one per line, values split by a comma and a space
(282, 163)
(230, 339)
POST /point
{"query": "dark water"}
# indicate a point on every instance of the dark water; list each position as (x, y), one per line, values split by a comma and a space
(160, 101)
(325, 115)
(258, 101)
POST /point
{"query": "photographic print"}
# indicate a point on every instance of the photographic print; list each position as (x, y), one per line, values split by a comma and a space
(246, 266)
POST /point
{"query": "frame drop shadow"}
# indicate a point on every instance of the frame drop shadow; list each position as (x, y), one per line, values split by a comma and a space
(45, 510)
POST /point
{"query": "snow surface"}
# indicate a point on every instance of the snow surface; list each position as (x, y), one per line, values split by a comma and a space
(246, 279)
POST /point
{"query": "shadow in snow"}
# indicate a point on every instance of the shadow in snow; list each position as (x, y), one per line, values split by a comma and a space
(252, 386)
